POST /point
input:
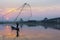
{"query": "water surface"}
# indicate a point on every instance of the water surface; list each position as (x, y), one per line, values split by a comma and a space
(29, 33)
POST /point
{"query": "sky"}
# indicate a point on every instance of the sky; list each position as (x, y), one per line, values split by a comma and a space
(40, 8)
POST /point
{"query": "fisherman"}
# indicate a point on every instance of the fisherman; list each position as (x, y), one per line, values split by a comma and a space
(17, 30)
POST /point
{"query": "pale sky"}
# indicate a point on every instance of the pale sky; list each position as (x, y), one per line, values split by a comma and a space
(40, 8)
(14, 3)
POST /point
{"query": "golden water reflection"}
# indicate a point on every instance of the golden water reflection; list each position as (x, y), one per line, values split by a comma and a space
(31, 33)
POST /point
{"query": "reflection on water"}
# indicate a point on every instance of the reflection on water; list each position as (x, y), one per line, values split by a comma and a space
(31, 33)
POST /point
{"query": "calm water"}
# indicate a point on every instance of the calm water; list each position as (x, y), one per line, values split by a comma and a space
(30, 33)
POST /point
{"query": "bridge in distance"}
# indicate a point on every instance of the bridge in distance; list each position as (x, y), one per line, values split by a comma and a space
(54, 22)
